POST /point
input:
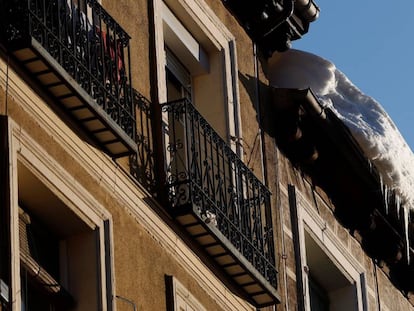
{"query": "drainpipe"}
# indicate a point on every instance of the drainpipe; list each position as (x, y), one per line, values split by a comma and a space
(264, 173)
(259, 114)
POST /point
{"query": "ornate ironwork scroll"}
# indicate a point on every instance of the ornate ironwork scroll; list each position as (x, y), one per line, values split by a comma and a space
(142, 164)
(203, 171)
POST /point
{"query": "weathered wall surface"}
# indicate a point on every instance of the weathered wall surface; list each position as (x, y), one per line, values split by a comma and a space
(141, 259)
(135, 17)
(381, 293)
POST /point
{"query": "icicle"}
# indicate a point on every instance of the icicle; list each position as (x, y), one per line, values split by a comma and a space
(370, 165)
(381, 184)
(386, 192)
(407, 240)
(398, 204)
(370, 125)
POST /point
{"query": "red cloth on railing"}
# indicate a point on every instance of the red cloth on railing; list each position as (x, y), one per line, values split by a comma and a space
(115, 54)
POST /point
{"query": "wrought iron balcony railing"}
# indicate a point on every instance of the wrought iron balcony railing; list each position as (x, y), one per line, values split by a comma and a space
(81, 39)
(142, 162)
(206, 178)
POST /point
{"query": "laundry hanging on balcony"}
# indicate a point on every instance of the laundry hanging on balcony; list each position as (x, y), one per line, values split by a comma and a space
(113, 52)
(82, 26)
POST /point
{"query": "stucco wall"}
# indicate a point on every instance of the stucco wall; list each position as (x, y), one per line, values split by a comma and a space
(136, 18)
(381, 293)
(141, 258)
(141, 261)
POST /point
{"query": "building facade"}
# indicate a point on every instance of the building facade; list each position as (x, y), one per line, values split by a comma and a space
(147, 164)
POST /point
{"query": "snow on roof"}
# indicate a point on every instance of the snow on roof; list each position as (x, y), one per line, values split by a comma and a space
(370, 125)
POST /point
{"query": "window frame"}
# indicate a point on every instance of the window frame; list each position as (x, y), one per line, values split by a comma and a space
(179, 297)
(311, 223)
(23, 149)
(206, 23)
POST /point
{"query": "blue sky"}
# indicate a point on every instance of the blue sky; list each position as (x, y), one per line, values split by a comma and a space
(371, 42)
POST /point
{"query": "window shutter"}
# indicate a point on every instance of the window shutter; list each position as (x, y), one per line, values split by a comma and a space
(28, 261)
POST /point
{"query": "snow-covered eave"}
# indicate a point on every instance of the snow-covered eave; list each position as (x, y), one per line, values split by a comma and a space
(324, 146)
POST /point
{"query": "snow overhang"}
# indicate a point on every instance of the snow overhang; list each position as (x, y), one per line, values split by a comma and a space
(315, 139)
(273, 24)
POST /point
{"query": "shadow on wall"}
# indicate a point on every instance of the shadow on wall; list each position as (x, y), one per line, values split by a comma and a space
(352, 196)
(276, 119)
(260, 96)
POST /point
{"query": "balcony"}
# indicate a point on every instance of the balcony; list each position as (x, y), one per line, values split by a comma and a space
(220, 202)
(80, 56)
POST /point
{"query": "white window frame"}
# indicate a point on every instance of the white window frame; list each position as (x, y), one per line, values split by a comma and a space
(311, 222)
(25, 150)
(206, 22)
(180, 297)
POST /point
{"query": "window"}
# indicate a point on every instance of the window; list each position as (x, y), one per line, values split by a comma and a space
(61, 236)
(179, 298)
(59, 252)
(318, 296)
(330, 289)
(332, 278)
(195, 50)
(178, 79)
(40, 267)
